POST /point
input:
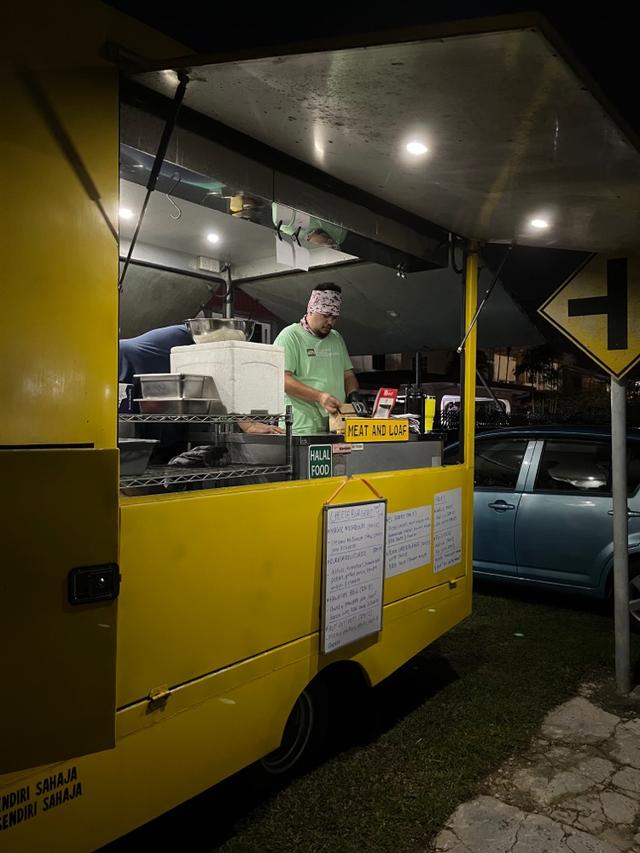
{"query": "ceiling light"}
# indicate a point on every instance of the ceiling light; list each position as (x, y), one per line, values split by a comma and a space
(170, 76)
(393, 314)
(125, 213)
(212, 237)
(416, 148)
(539, 223)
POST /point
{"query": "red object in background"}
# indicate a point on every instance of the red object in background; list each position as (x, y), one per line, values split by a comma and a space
(245, 305)
(384, 403)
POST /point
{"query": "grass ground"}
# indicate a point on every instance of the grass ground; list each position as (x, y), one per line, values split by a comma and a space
(446, 720)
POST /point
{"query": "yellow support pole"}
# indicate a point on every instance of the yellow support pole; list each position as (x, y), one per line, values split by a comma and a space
(470, 305)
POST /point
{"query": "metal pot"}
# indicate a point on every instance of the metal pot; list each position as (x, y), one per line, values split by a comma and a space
(206, 330)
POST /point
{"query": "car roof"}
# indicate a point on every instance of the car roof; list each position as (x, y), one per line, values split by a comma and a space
(556, 431)
(578, 432)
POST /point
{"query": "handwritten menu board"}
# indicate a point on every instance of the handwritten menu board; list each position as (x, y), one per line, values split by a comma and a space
(354, 543)
(408, 540)
(447, 529)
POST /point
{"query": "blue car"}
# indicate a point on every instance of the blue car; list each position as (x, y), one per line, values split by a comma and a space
(543, 508)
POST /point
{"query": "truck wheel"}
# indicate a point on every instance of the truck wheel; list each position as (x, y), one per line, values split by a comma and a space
(304, 734)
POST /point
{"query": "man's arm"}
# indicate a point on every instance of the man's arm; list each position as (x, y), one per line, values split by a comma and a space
(294, 388)
(263, 429)
(350, 382)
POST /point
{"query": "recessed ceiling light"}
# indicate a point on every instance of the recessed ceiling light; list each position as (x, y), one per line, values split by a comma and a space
(393, 314)
(170, 76)
(125, 213)
(212, 237)
(416, 148)
(539, 223)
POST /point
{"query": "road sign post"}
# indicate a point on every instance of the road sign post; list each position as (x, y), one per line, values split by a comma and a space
(620, 534)
(598, 308)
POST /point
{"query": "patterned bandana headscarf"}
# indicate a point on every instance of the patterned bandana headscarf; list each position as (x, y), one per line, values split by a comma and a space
(326, 302)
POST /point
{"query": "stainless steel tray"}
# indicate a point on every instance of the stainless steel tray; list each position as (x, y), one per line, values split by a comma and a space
(176, 385)
(176, 406)
(134, 455)
(256, 448)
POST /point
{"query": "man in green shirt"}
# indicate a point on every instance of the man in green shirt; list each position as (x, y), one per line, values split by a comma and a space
(318, 374)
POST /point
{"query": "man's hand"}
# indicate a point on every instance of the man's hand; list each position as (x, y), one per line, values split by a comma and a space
(295, 388)
(263, 429)
(329, 404)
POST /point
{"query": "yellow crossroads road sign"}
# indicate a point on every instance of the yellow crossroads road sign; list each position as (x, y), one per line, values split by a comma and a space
(598, 308)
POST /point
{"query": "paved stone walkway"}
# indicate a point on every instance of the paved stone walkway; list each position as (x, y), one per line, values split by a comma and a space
(577, 789)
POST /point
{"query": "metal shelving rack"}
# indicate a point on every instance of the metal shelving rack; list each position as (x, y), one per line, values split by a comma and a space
(169, 475)
(172, 475)
(201, 419)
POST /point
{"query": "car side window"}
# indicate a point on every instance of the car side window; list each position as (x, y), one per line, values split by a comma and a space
(575, 466)
(451, 455)
(633, 466)
(498, 462)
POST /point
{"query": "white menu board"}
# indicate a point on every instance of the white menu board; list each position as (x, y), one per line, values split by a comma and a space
(447, 529)
(408, 540)
(354, 542)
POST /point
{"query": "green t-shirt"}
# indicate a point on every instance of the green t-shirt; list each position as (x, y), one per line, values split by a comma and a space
(318, 362)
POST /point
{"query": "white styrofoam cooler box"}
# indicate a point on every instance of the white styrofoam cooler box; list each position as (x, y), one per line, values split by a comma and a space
(248, 377)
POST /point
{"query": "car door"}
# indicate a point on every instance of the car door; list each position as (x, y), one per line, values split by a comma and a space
(563, 530)
(500, 472)
(633, 511)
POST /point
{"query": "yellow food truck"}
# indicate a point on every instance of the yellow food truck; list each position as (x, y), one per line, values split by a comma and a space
(166, 628)
(157, 640)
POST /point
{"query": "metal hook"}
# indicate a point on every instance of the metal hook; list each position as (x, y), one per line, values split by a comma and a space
(177, 179)
(296, 236)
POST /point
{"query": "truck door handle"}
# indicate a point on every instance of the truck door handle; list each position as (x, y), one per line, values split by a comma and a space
(501, 506)
(91, 584)
(631, 513)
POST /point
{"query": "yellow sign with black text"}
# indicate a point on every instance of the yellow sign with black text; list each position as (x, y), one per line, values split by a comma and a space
(598, 308)
(376, 429)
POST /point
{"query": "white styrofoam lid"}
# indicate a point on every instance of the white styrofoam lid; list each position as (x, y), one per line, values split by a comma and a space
(218, 345)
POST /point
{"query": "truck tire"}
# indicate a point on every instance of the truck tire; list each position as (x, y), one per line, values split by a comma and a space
(303, 737)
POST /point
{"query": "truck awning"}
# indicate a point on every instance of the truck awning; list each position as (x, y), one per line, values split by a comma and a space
(384, 313)
(513, 130)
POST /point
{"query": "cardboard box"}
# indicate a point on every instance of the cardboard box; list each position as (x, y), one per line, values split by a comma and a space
(336, 422)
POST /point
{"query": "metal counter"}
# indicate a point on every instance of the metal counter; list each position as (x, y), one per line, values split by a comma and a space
(326, 454)
(368, 458)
